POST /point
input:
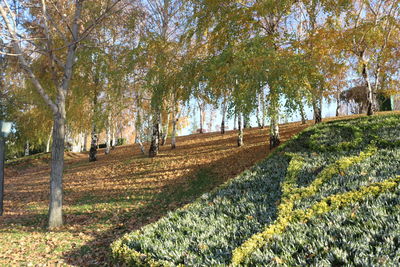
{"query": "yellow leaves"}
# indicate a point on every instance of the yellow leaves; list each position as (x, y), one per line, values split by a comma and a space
(277, 260)
(202, 246)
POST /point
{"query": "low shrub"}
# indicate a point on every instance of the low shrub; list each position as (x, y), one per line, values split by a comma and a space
(361, 234)
(206, 231)
(325, 168)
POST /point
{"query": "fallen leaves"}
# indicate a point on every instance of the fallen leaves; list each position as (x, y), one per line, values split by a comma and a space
(117, 194)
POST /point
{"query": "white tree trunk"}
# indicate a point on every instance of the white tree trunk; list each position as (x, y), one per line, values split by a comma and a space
(108, 135)
(235, 121)
(264, 109)
(240, 129)
(259, 111)
(302, 113)
(224, 108)
(85, 137)
(174, 122)
(154, 145)
(139, 142)
(202, 116)
(274, 138)
(26, 153)
(49, 140)
(113, 135)
(317, 108)
(367, 84)
(165, 130)
(338, 103)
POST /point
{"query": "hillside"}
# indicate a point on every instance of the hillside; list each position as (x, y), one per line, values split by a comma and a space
(117, 194)
(330, 196)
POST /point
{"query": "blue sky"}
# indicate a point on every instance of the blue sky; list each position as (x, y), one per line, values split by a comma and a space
(328, 110)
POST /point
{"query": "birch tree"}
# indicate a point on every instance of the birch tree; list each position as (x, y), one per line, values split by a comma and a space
(53, 30)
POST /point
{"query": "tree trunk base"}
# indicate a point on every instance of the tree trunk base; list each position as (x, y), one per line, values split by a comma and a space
(318, 119)
(274, 142)
(240, 143)
(153, 152)
(92, 154)
(163, 140)
(370, 110)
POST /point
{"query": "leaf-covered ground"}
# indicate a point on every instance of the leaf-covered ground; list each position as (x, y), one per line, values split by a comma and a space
(117, 194)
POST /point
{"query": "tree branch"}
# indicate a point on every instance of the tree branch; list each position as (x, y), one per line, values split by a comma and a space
(24, 65)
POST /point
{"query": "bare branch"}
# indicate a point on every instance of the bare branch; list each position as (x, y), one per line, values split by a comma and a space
(49, 43)
(89, 29)
(9, 54)
(24, 64)
(62, 17)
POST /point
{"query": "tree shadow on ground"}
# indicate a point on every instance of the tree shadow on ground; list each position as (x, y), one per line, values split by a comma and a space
(173, 195)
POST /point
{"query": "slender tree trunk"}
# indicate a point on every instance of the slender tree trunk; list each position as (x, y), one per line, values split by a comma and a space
(173, 137)
(139, 142)
(240, 129)
(274, 138)
(82, 141)
(246, 120)
(57, 167)
(259, 106)
(26, 153)
(154, 146)
(160, 129)
(337, 103)
(223, 116)
(202, 119)
(235, 121)
(108, 135)
(302, 113)
(113, 141)
(370, 101)
(93, 145)
(174, 122)
(49, 140)
(165, 131)
(149, 130)
(317, 110)
(376, 105)
(264, 109)
(223, 124)
(85, 136)
(2, 163)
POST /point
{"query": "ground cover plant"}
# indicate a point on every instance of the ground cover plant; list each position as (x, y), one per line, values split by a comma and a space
(117, 194)
(314, 175)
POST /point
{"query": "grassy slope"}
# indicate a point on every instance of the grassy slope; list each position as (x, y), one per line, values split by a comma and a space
(119, 193)
(247, 209)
